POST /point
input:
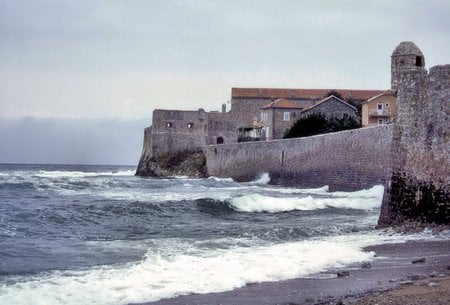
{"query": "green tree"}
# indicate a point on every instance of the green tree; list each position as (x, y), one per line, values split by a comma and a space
(317, 123)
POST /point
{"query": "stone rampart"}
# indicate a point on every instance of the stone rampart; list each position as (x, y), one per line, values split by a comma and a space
(346, 160)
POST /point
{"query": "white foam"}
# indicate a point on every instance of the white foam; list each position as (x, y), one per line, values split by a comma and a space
(263, 203)
(221, 179)
(263, 179)
(81, 174)
(316, 191)
(374, 192)
(184, 272)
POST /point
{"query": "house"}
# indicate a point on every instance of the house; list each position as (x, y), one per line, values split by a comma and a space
(380, 109)
(333, 107)
(255, 114)
(280, 115)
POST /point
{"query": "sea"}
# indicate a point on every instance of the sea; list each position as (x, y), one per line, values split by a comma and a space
(83, 234)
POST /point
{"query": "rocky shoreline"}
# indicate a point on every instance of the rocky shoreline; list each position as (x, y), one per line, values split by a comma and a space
(184, 163)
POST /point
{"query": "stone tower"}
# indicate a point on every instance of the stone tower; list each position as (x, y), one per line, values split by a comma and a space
(419, 186)
(406, 57)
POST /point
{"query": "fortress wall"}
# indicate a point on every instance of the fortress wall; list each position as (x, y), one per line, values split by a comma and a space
(419, 188)
(178, 136)
(346, 160)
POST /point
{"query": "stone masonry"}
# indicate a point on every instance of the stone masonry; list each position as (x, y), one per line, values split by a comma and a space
(418, 189)
(347, 160)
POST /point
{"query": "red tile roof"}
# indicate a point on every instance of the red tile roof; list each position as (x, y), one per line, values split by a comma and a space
(283, 103)
(314, 94)
(387, 92)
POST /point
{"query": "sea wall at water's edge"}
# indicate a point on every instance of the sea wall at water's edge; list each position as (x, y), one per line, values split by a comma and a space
(346, 160)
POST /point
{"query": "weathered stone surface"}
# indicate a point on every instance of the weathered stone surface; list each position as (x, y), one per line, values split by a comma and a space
(184, 163)
(418, 261)
(346, 160)
(419, 189)
(343, 274)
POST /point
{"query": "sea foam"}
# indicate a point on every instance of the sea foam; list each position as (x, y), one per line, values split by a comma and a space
(191, 271)
(362, 200)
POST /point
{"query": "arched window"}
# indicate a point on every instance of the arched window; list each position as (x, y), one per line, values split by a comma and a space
(219, 140)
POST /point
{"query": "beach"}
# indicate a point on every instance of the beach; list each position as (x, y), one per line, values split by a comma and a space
(393, 278)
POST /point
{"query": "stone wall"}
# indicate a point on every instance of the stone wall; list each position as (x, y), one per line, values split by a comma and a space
(419, 187)
(346, 160)
(174, 130)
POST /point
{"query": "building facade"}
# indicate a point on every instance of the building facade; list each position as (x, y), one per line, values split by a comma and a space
(255, 114)
(379, 110)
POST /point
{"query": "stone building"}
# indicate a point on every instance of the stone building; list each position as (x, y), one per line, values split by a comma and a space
(379, 110)
(333, 107)
(281, 114)
(419, 187)
(256, 113)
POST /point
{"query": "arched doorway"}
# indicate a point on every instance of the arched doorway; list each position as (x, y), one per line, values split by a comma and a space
(219, 140)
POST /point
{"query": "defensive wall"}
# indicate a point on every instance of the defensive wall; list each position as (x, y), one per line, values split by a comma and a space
(419, 186)
(346, 160)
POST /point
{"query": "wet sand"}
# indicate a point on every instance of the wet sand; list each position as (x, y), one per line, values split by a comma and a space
(391, 269)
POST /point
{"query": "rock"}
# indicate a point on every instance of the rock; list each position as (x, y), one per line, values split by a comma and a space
(183, 163)
(434, 274)
(366, 265)
(418, 261)
(448, 267)
(417, 277)
(433, 284)
(343, 274)
(339, 302)
(392, 280)
(407, 282)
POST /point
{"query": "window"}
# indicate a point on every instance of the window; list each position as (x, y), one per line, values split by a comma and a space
(264, 116)
(380, 122)
(169, 124)
(386, 105)
(380, 107)
(287, 116)
(418, 61)
(345, 115)
(190, 125)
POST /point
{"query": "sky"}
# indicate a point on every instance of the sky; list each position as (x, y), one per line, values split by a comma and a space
(83, 65)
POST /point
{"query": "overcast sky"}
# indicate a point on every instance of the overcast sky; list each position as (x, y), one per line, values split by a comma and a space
(116, 61)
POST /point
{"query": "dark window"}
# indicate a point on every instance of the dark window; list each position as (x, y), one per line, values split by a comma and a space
(169, 124)
(418, 61)
(190, 125)
(219, 140)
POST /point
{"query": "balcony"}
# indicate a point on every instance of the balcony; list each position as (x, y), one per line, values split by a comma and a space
(380, 113)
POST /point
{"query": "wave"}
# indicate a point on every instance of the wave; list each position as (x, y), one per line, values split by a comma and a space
(263, 179)
(361, 200)
(81, 174)
(165, 275)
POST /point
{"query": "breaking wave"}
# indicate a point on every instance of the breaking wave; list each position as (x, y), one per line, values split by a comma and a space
(158, 276)
(263, 179)
(361, 200)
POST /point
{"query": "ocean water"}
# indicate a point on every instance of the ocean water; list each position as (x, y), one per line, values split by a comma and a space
(100, 235)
